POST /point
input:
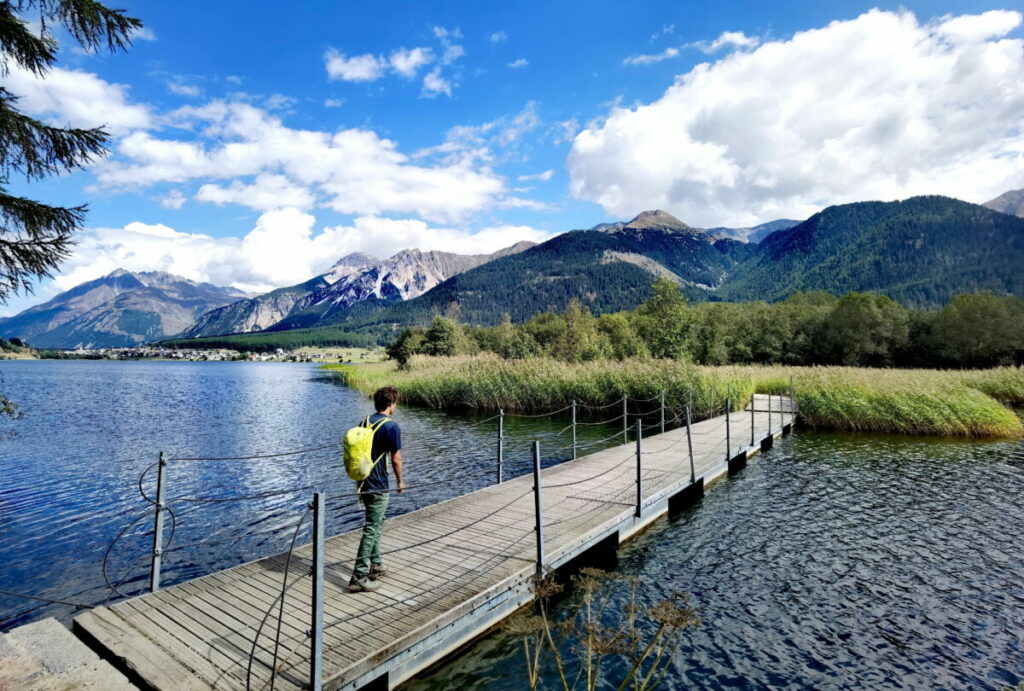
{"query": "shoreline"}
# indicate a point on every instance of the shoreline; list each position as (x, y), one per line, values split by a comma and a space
(974, 404)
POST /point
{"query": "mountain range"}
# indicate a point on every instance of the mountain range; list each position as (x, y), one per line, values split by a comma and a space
(920, 251)
(1011, 202)
(354, 278)
(120, 309)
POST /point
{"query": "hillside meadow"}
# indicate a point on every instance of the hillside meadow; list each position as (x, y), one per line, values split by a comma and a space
(970, 403)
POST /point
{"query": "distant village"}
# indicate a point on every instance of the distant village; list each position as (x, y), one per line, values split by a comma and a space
(218, 355)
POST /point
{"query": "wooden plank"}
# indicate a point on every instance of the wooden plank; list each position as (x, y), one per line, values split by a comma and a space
(144, 660)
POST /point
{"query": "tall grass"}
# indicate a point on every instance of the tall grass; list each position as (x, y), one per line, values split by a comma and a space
(924, 402)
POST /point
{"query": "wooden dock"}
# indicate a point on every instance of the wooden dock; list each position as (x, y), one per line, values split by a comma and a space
(456, 569)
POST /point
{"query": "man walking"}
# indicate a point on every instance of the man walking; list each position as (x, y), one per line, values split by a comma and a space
(374, 490)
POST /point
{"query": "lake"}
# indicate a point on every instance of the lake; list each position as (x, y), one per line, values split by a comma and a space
(834, 561)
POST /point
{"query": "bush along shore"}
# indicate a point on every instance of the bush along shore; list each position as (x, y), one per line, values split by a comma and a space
(973, 404)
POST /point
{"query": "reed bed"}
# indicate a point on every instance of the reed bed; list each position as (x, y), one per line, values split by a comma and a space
(921, 402)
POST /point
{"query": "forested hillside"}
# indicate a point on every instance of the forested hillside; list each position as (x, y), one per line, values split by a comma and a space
(921, 252)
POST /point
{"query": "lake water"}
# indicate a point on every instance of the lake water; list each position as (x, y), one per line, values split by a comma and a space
(834, 561)
(70, 467)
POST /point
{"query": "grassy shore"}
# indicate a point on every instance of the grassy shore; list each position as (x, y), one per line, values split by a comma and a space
(924, 402)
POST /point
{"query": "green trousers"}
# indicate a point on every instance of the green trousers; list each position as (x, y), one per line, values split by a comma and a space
(376, 506)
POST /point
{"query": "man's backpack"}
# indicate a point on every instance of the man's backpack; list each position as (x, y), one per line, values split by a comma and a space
(359, 460)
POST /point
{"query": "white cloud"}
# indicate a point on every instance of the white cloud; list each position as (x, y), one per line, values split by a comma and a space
(143, 34)
(452, 51)
(267, 192)
(354, 170)
(182, 89)
(408, 62)
(978, 27)
(334, 102)
(651, 59)
(435, 84)
(521, 62)
(498, 37)
(566, 130)
(282, 249)
(666, 30)
(878, 107)
(543, 177)
(359, 68)
(234, 79)
(279, 102)
(173, 200)
(728, 39)
(78, 99)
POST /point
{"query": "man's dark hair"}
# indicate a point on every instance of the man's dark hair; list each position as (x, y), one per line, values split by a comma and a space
(384, 397)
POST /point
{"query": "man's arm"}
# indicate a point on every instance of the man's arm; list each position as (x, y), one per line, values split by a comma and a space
(396, 463)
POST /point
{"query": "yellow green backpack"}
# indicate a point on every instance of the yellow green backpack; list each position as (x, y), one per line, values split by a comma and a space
(358, 445)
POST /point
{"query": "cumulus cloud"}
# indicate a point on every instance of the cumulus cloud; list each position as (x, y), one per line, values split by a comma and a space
(78, 99)
(728, 39)
(182, 89)
(358, 68)
(408, 62)
(283, 248)
(267, 192)
(878, 107)
(651, 59)
(174, 199)
(355, 171)
(521, 62)
(543, 177)
(434, 84)
(498, 36)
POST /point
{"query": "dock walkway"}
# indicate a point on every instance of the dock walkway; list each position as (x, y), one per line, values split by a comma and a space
(456, 569)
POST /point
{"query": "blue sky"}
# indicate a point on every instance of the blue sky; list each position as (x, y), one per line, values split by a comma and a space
(256, 143)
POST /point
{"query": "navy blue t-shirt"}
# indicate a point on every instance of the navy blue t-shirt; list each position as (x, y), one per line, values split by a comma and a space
(386, 440)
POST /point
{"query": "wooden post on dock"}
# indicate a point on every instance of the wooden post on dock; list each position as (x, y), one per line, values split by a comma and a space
(792, 401)
(316, 632)
(539, 507)
(574, 430)
(769, 415)
(158, 526)
(663, 412)
(728, 432)
(752, 432)
(625, 420)
(639, 472)
(689, 446)
(501, 442)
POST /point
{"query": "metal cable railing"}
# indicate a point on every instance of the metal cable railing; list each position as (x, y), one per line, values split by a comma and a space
(669, 417)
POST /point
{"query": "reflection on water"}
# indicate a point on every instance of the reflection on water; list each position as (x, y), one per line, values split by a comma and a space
(69, 468)
(834, 562)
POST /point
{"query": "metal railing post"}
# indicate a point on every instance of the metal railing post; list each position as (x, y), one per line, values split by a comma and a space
(752, 432)
(689, 446)
(728, 431)
(639, 472)
(158, 526)
(316, 632)
(574, 430)
(539, 506)
(663, 412)
(625, 420)
(501, 442)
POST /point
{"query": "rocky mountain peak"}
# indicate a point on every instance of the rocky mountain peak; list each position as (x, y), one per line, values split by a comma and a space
(1011, 203)
(656, 219)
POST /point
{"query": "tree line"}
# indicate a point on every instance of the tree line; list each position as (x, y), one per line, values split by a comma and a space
(859, 329)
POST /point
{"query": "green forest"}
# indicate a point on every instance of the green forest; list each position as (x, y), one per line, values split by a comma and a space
(815, 328)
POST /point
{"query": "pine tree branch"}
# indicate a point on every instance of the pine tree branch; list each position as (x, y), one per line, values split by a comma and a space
(92, 24)
(34, 53)
(34, 239)
(37, 150)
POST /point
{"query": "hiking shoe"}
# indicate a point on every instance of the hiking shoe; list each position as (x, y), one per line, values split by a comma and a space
(362, 586)
(377, 571)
